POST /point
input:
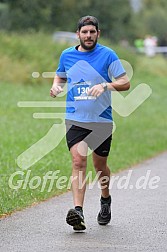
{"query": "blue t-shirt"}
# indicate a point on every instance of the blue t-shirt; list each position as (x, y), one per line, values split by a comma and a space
(83, 70)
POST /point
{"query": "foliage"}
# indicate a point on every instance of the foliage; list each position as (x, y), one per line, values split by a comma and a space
(29, 14)
(117, 18)
(115, 21)
(151, 19)
(22, 54)
(4, 16)
(114, 16)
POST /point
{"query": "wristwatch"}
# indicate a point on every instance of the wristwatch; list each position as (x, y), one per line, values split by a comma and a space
(104, 85)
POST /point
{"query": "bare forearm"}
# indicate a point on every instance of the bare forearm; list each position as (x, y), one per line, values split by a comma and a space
(120, 84)
(59, 81)
(57, 87)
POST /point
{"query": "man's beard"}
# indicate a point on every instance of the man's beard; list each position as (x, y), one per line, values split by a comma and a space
(88, 47)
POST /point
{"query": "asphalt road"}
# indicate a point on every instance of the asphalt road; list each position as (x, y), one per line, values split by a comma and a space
(139, 217)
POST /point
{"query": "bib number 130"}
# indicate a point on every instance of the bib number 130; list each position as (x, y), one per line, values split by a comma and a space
(82, 90)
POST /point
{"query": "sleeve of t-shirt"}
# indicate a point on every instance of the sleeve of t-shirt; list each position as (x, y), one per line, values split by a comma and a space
(116, 68)
(61, 69)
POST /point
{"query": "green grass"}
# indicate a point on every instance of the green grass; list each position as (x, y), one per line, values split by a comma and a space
(142, 134)
(26, 53)
(137, 137)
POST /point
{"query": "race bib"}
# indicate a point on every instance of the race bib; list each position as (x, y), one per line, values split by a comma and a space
(80, 91)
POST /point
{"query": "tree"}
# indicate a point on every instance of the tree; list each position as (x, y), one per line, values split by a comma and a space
(114, 16)
(32, 14)
(152, 18)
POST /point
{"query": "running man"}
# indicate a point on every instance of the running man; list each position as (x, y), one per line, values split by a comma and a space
(89, 69)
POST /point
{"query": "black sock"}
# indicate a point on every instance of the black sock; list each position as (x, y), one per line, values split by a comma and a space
(106, 199)
(79, 208)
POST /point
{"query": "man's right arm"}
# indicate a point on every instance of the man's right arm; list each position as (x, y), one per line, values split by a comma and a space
(57, 86)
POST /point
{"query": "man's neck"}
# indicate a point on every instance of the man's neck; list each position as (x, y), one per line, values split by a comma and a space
(81, 49)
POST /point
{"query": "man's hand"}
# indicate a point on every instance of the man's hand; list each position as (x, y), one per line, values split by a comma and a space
(57, 87)
(96, 90)
(55, 90)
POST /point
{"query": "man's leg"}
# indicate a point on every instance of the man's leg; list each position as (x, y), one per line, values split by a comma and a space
(79, 164)
(75, 216)
(100, 164)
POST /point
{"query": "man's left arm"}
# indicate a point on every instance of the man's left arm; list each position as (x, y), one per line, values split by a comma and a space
(120, 84)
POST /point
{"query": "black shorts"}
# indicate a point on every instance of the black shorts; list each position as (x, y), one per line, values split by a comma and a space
(98, 136)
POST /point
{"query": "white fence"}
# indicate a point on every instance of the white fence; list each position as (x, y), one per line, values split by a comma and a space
(157, 49)
(161, 49)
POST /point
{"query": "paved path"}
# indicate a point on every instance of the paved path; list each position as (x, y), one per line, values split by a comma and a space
(139, 218)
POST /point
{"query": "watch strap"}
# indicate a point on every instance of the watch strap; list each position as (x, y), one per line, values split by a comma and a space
(104, 85)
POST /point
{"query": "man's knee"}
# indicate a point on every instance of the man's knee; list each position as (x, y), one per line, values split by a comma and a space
(100, 163)
(79, 162)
